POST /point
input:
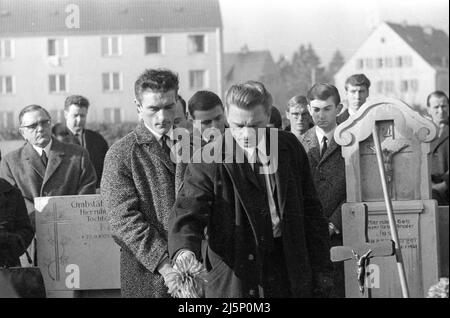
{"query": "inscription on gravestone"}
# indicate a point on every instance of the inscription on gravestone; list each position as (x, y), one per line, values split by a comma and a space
(74, 245)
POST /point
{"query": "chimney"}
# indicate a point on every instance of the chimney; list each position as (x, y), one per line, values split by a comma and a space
(428, 29)
(244, 49)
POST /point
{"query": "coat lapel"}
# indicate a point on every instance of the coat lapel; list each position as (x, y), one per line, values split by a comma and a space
(442, 139)
(34, 161)
(312, 143)
(144, 136)
(281, 176)
(55, 158)
(331, 148)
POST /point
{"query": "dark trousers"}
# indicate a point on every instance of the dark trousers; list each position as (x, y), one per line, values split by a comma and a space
(276, 276)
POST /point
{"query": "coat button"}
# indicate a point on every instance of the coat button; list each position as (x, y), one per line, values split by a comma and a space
(251, 292)
(251, 257)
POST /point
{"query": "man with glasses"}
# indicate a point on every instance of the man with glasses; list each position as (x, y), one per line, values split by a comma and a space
(45, 166)
(299, 118)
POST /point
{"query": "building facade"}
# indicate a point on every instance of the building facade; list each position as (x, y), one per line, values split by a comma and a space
(402, 61)
(44, 60)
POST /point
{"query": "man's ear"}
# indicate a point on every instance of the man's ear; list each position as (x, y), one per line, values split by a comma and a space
(339, 108)
(310, 109)
(288, 114)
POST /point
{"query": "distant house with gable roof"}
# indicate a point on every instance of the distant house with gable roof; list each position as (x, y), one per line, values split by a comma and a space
(258, 66)
(403, 61)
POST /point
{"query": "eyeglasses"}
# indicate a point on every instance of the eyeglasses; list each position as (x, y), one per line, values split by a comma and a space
(44, 123)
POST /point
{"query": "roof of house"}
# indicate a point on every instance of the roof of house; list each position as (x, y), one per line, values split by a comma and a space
(431, 44)
(246, 65)
(33, 17)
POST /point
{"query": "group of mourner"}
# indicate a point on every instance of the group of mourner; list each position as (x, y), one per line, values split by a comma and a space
(255, 231)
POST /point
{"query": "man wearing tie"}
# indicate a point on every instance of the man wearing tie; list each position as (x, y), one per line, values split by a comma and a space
(44, 166)
(327, 163)
(138, 187)
(258, 230)
(75, 113)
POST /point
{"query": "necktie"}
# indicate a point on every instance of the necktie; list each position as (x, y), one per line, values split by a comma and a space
(164, 145)
(324, 146)
(76, 139)
(44, 158)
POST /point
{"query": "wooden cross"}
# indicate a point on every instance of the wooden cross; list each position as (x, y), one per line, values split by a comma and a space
(362, 254)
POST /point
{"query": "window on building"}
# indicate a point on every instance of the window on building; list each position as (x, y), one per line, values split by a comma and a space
(414, 85)
(197, 79)
(404, 86)
(369, 63)
(379, 62)
(6, 85)
(407, 61)
(6, 49)
(399, 61)
(153, 45)
(112, 81)
(6, 120)
(196, 44)
(388, 62)
(389, 87)
(111, 46)
(112, 115)
(379, 86)
(57, 83)
(57, 47)
(359, 64)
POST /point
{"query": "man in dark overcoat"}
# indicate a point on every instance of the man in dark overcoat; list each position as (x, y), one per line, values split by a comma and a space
(256, 224)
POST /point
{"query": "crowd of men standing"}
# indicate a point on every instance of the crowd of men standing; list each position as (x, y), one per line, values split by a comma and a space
(256, 231)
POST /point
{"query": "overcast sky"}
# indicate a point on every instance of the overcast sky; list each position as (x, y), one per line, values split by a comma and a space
(282, 25)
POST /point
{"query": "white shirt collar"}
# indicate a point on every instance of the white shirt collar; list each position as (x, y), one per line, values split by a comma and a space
(46, 148)
(320, 134)
(157, 135)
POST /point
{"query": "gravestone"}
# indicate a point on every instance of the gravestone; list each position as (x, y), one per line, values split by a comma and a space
(405, 141)
(75, 250)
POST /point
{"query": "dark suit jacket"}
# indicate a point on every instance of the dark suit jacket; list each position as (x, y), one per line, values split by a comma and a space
(439, 166)
(221, 214)
(342, 117)
(69, 172)
(328, 174)
(97, 147)
(16, 231)
(138, 188)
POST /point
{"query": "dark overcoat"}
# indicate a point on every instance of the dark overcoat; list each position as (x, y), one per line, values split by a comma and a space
(16, 231)
(221, 214)
(97, 147)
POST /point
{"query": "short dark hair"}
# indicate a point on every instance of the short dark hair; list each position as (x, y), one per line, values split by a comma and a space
(32, 108)
(357, 80)
(160, 80)
(78, 100)
(275, 117)
(183, 103)
(438, 94)
(323, 91)
(297, 100)
(59, 129)
(203, 100)
(248, 95)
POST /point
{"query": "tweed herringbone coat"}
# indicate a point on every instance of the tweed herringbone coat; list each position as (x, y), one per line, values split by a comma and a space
(329, 175)
(138, 188)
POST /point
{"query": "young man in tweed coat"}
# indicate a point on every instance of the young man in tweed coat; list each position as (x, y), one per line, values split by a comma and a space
(138, 187)
(327, 164)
